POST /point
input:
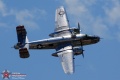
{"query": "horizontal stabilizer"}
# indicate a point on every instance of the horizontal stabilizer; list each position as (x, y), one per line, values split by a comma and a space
(24, 53)
(22, 41)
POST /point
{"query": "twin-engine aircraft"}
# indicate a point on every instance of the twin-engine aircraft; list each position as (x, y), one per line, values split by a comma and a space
(68, 42)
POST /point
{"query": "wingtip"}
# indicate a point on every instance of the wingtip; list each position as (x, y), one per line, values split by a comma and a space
(69, 73)
(61, 7)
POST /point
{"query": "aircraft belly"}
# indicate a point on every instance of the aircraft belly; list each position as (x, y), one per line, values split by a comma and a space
(52, 43)
(43, 46)
(84, 42)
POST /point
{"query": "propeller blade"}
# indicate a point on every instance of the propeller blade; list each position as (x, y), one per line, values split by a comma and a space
(78, 25)
(82, 49)
(83, 55)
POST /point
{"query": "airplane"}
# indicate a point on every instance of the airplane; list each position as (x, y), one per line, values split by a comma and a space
(68, 42)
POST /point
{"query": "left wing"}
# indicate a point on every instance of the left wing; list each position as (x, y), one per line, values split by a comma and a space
(61, 20)
(62, 27)
(65, 53)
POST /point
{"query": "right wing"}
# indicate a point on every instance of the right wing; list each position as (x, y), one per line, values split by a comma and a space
(65, 53)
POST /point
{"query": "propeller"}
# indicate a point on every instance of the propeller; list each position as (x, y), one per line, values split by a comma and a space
(82, 49)
(83, 55)
(76, 31)
(79, 26)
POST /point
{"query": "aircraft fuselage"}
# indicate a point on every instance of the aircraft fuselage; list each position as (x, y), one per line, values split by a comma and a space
(52, 43)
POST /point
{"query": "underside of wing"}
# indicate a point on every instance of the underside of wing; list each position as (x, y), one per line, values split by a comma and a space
(66, 56)
(61, 22)
(61, 19)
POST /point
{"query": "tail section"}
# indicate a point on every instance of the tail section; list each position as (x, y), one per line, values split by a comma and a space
(21, 35)
(22, 41)
(26, 41)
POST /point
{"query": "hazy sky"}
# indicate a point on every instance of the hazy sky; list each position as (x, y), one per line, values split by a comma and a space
(102, 18)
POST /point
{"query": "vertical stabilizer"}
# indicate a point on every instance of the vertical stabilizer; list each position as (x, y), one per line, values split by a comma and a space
(22, 41)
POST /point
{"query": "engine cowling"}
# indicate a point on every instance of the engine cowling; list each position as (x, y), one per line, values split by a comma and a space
(78, 50)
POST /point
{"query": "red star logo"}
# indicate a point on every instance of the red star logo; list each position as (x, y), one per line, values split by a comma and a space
(6, 74)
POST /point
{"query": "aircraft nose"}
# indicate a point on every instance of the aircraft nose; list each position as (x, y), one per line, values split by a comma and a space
(97, 39)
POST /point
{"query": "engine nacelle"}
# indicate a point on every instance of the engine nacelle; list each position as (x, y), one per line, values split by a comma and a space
(75, 30)
(78, 50)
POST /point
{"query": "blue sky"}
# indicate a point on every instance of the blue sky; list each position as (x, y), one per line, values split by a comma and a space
(100, 18)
